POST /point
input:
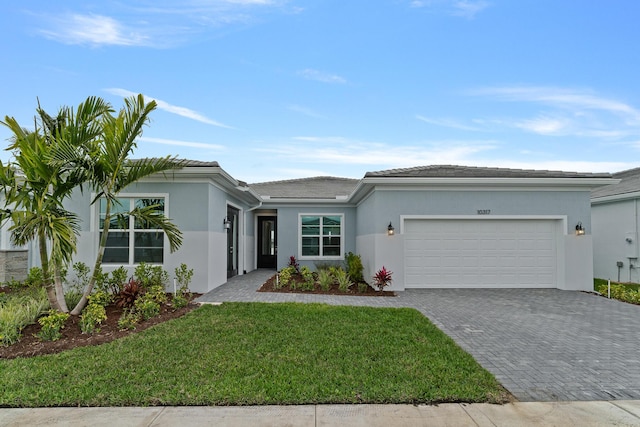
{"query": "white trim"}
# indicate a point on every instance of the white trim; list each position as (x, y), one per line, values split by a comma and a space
(616, 198)
(562, 218)
(320, 257)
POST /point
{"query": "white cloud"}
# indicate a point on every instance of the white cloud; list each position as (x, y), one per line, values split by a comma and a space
(163, 105)
(468, 9)
(448, 122)
(462, 8)
(544, 125)
(561, 98)
(321, 76)
(339, 150)
(179, 143)
(93, 30)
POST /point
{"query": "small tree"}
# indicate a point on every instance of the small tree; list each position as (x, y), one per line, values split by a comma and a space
(35, 188)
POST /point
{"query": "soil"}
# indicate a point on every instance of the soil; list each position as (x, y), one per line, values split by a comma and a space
(268, 286)
(30, 345)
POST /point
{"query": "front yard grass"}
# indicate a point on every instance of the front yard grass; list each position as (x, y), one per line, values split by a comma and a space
(256, 354)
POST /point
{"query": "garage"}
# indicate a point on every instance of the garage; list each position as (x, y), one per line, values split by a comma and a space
(481, 252)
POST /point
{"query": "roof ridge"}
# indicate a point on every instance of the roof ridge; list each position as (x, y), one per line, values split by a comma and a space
(292, 180)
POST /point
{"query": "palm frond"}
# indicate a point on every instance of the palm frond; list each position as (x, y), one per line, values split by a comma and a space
(153, 219)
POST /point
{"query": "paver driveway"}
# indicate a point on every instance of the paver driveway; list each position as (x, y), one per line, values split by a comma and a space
(541, 344)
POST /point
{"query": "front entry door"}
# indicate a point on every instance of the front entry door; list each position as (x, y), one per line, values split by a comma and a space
(232, 241)
(267, 242)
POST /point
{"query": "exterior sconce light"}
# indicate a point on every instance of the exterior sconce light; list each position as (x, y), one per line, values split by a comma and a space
(390, 230)
(579, 229)
(226, 223)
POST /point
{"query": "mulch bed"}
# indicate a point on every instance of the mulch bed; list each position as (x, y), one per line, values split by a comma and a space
(269, 286)
(29, 345)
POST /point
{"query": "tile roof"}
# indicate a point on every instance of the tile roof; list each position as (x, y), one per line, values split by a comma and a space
(319, 187)
(629, 183)
(452, 171)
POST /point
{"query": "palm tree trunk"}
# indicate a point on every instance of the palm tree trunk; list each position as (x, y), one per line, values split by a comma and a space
(46, 274)
(59, 289)
(98, 264)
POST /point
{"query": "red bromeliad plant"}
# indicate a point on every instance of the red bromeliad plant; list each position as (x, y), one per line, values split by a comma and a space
(382, 278)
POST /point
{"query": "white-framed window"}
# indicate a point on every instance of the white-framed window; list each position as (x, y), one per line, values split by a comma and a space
(321, 236)
(132, 241)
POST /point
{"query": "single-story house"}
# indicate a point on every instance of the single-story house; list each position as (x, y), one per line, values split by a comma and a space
(433, 226)
(615, 219)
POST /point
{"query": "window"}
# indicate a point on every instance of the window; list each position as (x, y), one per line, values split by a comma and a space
(132, 241)
(321, 236)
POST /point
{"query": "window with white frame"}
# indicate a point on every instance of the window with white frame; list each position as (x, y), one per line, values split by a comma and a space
(132, 241)
(321, 236)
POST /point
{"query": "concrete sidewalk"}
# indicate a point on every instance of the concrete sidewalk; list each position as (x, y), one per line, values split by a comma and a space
(583, 414)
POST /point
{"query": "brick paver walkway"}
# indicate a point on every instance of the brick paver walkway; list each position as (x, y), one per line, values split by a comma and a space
(541, 344)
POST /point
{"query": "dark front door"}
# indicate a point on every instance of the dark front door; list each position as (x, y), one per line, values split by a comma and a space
(232, 241)
(267, 242)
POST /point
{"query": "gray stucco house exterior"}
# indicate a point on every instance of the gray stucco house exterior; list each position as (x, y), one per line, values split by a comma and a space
(615, 219)
(452, 226)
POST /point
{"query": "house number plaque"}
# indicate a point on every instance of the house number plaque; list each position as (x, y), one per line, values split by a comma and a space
(484, 211)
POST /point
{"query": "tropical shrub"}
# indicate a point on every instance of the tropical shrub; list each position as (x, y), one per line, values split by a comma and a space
(180, 299)
(293, 262)
(354, 267)
(51, 325)
(34, 277)
(100, 298)
(621, 292)
(128, 295)
(146, 307)
(92, 316)
(285, 275)
(128, 319)
(117, 280)
(150, 275)
(309, 283)
(382, 278)
(342, 278)
(183, 276)
(325, 279)
(18, 311)
(157, 293)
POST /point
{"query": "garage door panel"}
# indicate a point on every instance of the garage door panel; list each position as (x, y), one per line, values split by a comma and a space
(480, 253)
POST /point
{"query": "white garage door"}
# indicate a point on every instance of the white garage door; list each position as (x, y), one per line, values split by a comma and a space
(472, 253)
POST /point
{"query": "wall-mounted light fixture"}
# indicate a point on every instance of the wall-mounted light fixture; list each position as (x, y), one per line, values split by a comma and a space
(226, 223)
(390, 229)
(579, 229)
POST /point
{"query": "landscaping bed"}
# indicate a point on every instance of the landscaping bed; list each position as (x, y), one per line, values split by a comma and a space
(30, 345)
(334, 289)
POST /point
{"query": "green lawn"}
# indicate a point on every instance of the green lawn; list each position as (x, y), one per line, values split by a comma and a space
(257, 353)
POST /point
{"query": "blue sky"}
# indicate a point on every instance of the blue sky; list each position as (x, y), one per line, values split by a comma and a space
(277, 89)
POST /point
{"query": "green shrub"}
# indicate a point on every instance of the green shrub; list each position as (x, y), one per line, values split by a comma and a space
(34, 277)
(309, 280)
(157, 293)
(183, 276)
(325, 279)
(180, 299)
(19, 310)
(342, 278)
(92, 316)
(72, 298)
(100, 298)
(355, 270)
(146, 307)
(118, 280)
(363, 287)
(150, 275)
(621, 292)
(128, 319)
(284, 277)
(51, 325)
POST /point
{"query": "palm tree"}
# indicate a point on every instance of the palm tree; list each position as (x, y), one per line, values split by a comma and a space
(111, 171)
(35, 187)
